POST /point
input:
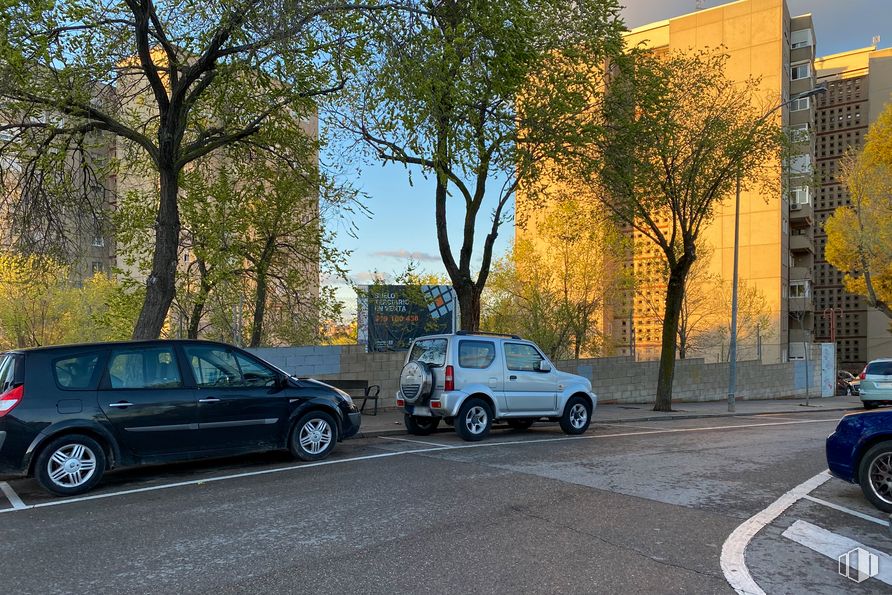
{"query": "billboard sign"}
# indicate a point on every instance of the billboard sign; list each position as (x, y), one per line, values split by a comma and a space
(390, 316)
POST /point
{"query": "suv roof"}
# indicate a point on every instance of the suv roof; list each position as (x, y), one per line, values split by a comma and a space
(471, 334)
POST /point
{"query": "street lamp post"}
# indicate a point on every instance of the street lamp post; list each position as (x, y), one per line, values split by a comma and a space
(732, 349)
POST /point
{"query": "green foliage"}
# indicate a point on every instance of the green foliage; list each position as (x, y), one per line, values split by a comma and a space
(40, 306)
(556, 291)
(475, 94)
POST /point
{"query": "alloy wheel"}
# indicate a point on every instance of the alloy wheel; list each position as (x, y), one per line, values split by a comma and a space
(315, 436)
(476, 419)
(880, 473)
(71, 465)
(578, 415)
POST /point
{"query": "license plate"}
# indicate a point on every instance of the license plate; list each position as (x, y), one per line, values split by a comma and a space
(417, 410)
(884, 384)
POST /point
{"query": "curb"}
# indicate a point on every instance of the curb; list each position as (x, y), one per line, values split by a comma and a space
(401, 431)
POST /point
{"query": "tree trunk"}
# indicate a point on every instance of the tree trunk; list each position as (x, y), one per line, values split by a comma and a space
(469, 306)
(260, 292)
(161, 283)
(672, 313)
(204, 288)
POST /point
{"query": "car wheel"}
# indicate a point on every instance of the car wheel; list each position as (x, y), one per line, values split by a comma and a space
(577, 416)
(870, 404)
(875, 475)
(474, 420)
(70, 465)
(520, 424)
(314, 436)
(420, 426)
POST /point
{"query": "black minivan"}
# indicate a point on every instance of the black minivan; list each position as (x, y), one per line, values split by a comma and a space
(69, 413)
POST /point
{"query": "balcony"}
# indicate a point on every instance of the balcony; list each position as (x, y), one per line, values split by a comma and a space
(802, 243)
(801, 336)
(801, 304)
(802, 215)
(802, 53)
(800, 273)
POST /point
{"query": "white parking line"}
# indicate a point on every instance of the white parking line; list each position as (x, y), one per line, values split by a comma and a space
(733, 551)
(13, 498)
(860, 515)
(414, 441)
(833, 546)
(438, 448)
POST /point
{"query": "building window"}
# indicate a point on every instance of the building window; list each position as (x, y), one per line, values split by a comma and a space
(98, 241)
(800, 71)
(800, 289)
(97, 267)
(799, 195)
(799, 133)
(801, 39)
(800, 164)
(800, 104)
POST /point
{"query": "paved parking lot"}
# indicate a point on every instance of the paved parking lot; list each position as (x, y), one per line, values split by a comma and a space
(637, 506)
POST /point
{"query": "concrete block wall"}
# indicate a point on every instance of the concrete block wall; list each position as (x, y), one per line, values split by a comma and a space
(614, 379)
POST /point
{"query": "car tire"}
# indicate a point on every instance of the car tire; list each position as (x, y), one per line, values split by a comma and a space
(875, 475)
(420, 426)
(870, 404)
(577, 416)
(313, 437)
(520, 424)
(474, 420)
(70, 465)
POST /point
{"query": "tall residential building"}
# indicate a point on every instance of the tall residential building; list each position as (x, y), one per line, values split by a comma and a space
(859, 85)
(762, 41)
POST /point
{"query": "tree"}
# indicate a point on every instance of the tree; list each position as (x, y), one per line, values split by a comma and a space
(40, 306)
(678, 133)
(171, 82)
(859, 235)
(475, 93)
(555, 291)
(704, 322)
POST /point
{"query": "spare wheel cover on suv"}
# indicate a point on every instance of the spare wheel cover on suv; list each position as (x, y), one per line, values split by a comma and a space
(416, 382)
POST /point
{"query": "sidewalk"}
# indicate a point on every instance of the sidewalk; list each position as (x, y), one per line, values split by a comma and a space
(389, 422)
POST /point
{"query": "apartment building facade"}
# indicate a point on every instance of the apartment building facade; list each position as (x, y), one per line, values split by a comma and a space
(859, 85)
(762, 41)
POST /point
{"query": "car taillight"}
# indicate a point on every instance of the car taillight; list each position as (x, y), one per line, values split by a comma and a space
(449, 384)
(863, 374)
(436, 405)
(400, 403)
(11, 398)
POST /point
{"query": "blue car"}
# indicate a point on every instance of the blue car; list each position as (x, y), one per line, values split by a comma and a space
(860, 451)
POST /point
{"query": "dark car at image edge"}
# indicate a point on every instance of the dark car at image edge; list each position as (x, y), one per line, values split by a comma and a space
(69, 413)
(860, 451)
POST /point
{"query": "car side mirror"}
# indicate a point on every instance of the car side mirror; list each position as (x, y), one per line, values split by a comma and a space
(544, 366)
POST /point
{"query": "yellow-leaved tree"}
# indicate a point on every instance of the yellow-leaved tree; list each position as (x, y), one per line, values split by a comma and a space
(859, 235)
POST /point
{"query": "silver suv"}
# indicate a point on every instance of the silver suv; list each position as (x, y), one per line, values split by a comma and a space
(472, 379)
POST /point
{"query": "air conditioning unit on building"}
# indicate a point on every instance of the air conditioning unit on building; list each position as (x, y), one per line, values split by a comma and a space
(795, 207)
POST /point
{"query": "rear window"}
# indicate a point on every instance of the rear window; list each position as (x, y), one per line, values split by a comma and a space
(152, 367)
(429, 351)
(476, 354)
(75, 372)
(10, 375)
(879, 369)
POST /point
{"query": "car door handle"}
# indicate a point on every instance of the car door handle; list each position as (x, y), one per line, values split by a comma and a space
(209, 400)
(512, 377)
(121, 404)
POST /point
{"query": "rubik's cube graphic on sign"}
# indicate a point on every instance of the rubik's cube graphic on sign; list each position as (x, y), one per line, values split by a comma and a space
(439, 300)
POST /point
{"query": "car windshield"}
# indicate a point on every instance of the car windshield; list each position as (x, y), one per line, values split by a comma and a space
(429, 351)
(879, 369)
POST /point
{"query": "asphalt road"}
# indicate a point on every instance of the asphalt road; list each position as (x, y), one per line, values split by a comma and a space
(625, 508)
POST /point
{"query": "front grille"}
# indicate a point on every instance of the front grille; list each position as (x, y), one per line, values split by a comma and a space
(410, 390)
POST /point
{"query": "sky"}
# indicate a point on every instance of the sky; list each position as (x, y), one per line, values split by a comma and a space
(401, 220)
